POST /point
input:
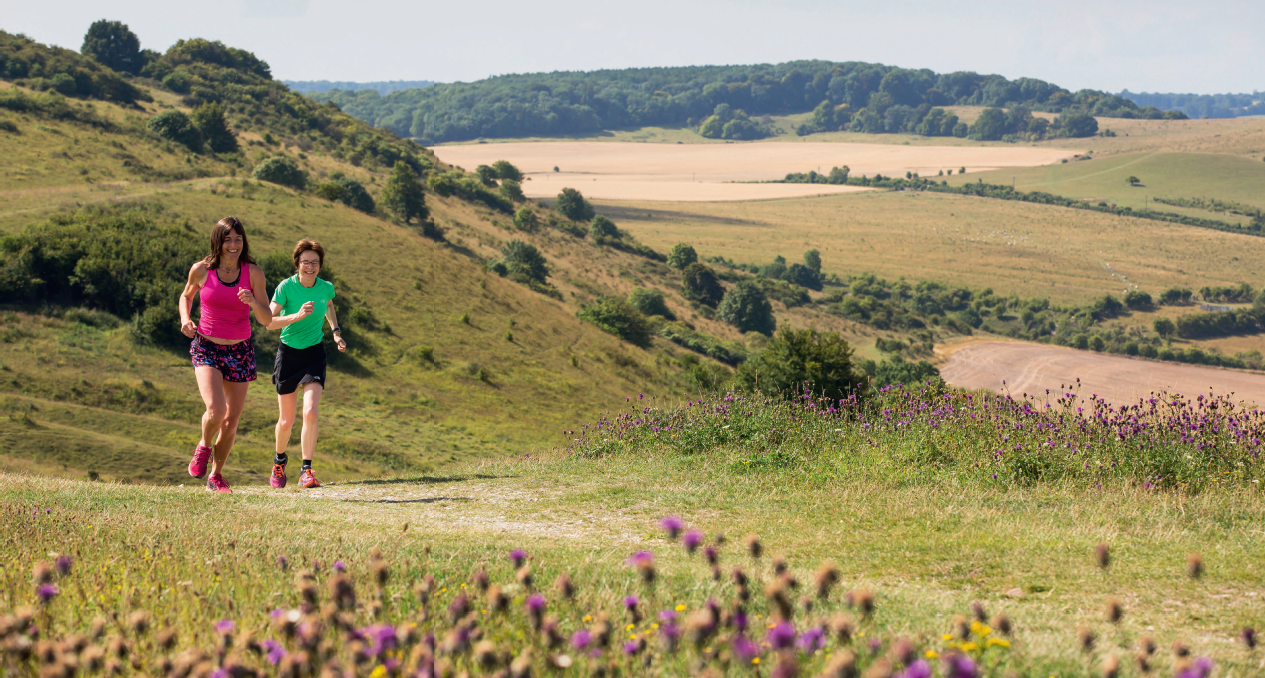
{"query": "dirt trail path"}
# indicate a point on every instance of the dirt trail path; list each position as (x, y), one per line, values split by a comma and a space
(1033, 368)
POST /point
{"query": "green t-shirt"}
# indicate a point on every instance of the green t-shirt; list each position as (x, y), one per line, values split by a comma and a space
(291, 294)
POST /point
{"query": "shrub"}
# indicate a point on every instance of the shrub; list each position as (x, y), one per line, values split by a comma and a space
(506, 171)
(701, 285)
(682, 255)
(616, 316)
(798, 274)
(331, 191)
(512, 190)
(897, 370)
(1138, 300)
(403, 194)
(572, 205)
(525, 219)
(176, 126)
(280, 169)
(355, 196)
(114, 45)
(523, 263)
(746, 307)
(649, 302)
(211, 123)
(601, 228)
(798, 357)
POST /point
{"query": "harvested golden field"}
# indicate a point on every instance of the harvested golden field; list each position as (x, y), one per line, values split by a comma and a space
(1060, 253)
(1020, 367)
(706, 172)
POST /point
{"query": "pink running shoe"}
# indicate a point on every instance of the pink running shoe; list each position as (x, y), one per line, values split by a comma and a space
(308, 479)
(216, 483)
(278, 476)
(197, 465)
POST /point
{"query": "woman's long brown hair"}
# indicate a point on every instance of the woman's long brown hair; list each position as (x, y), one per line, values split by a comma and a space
(218, 234)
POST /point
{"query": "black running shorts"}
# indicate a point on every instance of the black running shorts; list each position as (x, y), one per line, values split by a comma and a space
(295, 366)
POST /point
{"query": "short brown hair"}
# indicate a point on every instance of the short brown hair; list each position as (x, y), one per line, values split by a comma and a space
(306, 245)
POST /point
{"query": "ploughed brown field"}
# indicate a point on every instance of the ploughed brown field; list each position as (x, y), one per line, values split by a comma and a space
(708, 172)
(1033, 368)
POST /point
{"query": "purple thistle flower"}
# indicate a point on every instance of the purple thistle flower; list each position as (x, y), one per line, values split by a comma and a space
(811, 640)
(340, 566)
(47, 511)
(641, 558)
(672, 525)
(691, 540)
(1249, 637)
(667, 615)
(283, 562)
(960, 666)
(63, 564)
(580, 639)
(781, 636)
(631, 647)
(225, 627)
(535, 602)
(219, 673)
(47, 592)
(276, 612)
(743, 648)
(631, 602)
(276, 654)
(518, 556)
(919, 669)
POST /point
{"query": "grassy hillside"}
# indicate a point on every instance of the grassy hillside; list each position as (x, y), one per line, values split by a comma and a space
(449, 362)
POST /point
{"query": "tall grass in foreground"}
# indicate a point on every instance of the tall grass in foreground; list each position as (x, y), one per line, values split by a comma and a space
(179, 604)
(930, 434)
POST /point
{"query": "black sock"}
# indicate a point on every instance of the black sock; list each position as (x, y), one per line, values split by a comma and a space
(280, 459)
(307, 464)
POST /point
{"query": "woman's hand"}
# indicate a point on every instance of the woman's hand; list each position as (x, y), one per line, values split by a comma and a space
(246, 296)
(307, 309)
(189, 329)
(342, 345)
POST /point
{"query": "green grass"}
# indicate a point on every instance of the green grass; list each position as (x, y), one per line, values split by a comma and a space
(1166, 175)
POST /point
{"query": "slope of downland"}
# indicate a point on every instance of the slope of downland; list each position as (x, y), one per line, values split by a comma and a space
(81, 396)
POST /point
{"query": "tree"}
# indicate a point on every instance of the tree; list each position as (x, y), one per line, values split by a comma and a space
(1164, 327)
(1077, 124)
(649, 302)
(403, 194)
(113, 45)
(1133, 181)
(572, 205)
(280, 169)
(682, 255)
(798, 274)
(601, 227)
(990, 126)
(175, 126)
(331, 191)
(896, 370)
(486, 174)
(525, 219)
(812, 259)
(798, 357)
(210, 121)
(701, 285)
(505, 170)
(523, 262)
(746, 307)
(511, 190)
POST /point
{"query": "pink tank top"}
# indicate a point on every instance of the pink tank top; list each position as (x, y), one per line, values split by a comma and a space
(224, 316)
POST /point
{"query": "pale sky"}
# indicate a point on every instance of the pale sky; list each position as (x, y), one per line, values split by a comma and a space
(1157, 45)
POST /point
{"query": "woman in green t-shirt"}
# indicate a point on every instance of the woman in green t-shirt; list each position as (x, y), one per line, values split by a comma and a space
(299, 305)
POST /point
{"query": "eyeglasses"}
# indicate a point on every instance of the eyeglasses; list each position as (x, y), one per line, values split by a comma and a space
(310, 264)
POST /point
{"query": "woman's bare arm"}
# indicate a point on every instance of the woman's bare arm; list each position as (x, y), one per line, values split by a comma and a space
(197, 278)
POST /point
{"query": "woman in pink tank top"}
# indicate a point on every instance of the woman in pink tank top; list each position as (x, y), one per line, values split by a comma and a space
(222, 352)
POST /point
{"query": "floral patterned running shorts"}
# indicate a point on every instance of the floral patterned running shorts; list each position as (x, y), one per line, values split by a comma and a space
(236, 363)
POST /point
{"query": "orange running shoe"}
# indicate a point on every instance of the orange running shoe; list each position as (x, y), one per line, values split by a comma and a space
(308, 479)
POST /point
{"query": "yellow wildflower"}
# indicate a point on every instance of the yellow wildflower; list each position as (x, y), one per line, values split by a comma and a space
(680, 608)
(931, 654)
(379, 671)
(998, 642)
(755, 660)
(968, 647)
